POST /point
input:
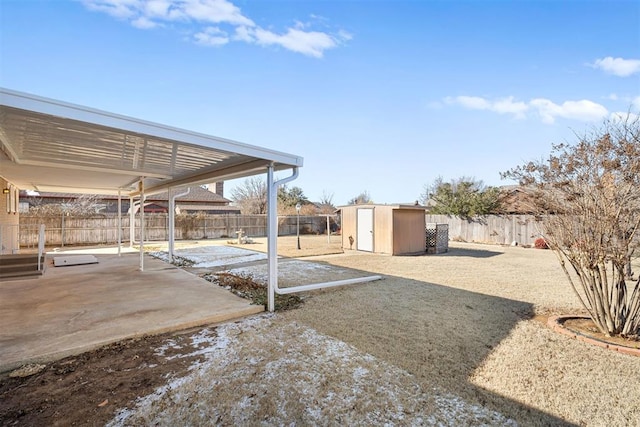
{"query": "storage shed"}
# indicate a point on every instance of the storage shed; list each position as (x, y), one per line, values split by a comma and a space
(386, 229)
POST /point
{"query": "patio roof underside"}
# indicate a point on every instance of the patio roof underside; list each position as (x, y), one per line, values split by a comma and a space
(48, 145)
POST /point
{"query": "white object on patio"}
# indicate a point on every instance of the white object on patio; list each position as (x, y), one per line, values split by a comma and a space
(64, 261)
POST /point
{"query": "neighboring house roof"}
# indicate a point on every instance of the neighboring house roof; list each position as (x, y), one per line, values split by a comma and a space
(203, 207)
(515, 199)
(196, 194)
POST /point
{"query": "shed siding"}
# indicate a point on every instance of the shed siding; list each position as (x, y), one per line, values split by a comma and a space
(349, 227)
(408, 232)
(383, 230)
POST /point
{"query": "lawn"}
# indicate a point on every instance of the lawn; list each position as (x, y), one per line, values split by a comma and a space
(457, 338)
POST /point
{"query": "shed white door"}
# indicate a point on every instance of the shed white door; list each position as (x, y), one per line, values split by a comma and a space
(365, 230)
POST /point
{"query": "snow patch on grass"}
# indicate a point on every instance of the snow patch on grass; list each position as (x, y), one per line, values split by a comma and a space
(264, 371)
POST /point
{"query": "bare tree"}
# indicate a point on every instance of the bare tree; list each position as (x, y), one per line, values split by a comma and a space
(83, 205)
(326, 205)
(589, 198)
(251, 196)
(361, 199)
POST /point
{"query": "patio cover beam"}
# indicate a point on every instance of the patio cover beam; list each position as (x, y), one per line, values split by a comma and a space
(50, 145)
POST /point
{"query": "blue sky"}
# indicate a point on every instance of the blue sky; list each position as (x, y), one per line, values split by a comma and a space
(377, 96)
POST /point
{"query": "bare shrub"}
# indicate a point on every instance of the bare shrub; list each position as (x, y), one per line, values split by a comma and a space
(588, 195)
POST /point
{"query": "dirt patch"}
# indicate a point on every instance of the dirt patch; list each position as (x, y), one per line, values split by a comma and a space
(246, 287)
(89, 388)
(584, 329)
(587, 328)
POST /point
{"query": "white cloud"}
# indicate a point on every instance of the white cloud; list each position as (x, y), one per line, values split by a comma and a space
(507, 105)
(244, 34)
(618, 66)
(623, 116)
(583, 110)
(635, 102)
(548, 111)
(612, 97)
(157, 8)
(216, 11)
(501, 106)
(211, 36)
(471, 102)
(146, 14)
(121, 9)
(143, 23)
(312, 43)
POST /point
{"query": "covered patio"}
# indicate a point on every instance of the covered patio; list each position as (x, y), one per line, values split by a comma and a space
(74, 309)
(50, 145)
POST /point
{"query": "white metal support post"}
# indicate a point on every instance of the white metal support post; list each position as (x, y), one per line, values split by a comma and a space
(172, 225)
(172, 220)
(132, 221)
(141, 223)
(119, 222)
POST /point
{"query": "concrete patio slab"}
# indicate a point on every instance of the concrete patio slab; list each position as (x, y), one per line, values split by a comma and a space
(78, 308)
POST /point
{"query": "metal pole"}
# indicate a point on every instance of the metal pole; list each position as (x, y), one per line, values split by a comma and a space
(298, 223)
(172, 220)
(142, 223)
(272, 239)
(132, 221)
(328, 231)
(298, 230)
(62, 231)
(119, 222)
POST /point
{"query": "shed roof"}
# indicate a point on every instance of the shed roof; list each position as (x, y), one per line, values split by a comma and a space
(50, 145)
(392, 206)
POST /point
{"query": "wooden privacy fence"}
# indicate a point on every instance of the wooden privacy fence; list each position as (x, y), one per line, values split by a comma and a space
(496, 229)
(67, 230)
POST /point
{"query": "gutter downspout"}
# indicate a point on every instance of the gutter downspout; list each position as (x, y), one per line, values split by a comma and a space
(272, 247)
(272, 232)
(172, 219)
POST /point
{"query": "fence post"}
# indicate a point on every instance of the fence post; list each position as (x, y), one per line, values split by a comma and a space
(62, 231)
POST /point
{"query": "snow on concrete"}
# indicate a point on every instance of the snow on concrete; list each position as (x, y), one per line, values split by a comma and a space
(213, 256)
(292, 269)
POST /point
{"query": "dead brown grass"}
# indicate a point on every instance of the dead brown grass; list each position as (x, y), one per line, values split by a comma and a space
(459, 325)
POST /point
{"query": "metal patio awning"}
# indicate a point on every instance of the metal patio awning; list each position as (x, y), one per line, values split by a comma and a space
(49, 145)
